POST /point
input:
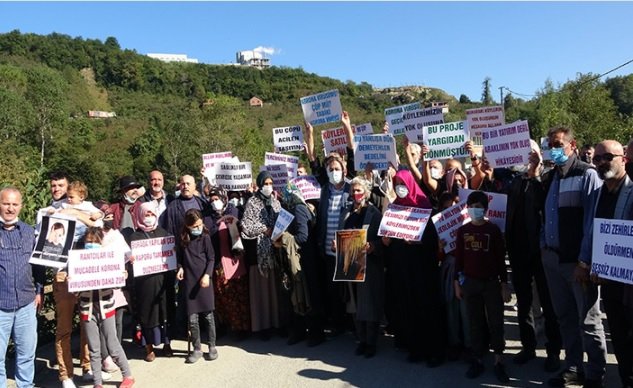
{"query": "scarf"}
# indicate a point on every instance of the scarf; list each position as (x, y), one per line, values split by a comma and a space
(140, 215)
(415, 197)
(261, 178)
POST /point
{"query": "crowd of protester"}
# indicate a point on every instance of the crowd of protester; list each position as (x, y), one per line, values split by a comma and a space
(234, 278)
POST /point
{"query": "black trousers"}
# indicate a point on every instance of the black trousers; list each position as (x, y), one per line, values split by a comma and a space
(194, 328)
(484, 304)
(620, 319)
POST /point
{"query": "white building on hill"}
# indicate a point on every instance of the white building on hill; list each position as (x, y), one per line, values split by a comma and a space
(252, 58)
(172, 57)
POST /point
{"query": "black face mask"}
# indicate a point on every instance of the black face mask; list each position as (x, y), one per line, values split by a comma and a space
(629, 169)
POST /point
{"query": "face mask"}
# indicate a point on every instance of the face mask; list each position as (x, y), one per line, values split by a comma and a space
(218, 204)
(402, 191)
(234, 201)
(335, 176)
(128, 199)
(196, 231)
(476, 213)
(91, 245)
(358, 198)
(12, 222)
(149, 221)
(436, 173)
(267, 190)
(177, 193)
(628, 166)
(558, 156)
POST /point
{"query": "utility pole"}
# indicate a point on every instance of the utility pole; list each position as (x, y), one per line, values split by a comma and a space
(501, 93)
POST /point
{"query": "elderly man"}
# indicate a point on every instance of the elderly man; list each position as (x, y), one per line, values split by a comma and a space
(568, 211)
(615, 201)
(158, 195)
(20, 298)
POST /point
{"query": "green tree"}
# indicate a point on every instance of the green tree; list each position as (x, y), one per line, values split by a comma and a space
(486, 96)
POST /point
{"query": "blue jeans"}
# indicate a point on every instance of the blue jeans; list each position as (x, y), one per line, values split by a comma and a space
(21, 324)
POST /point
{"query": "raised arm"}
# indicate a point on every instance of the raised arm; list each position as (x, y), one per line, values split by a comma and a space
(347, 126)
(309, 138)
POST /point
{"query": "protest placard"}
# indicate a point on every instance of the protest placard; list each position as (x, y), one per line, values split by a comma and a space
(288, 139)
(447, 222)
(380, 150)
(94, 269)
(290, 161)
(153, 255)
(279, 173)
(363, 129)
(334, 140)
(322, 108)
(284, 218)
(507, 145)
(211, 161)
(612, 253)
(234, 176)
(546, 151)
(351, 256)
(54, 241)
(478, 119)
(446, 141)
(411, 118)
(308, 185)
(404, 222)
(497, 204)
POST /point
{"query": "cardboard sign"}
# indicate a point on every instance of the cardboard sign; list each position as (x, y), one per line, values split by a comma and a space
(291, 162)
(395, 117)
(279, 173)
(415, 121)
(234, 176)
(497, 206)
(404, 222)
(447, 222)
(308, 185)
(153, 255)
(479, 119)
(95, 269)
(446, 141)
(210, 160)
(288, 139)
(54, 241)
(284, 219)
(322, 108)
(507, 145)
(380, 150)
(612, 253)
(334, 140)
(351, 256)
(363, 129)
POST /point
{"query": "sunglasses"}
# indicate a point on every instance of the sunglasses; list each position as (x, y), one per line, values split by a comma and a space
(608, 157)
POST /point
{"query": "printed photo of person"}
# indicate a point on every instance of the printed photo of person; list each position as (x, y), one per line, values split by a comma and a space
(54, 241)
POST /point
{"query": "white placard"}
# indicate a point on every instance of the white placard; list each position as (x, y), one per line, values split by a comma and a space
(478, 119)
(288, 139)
(234, 176)
(334, 140)
(507, 145)
(394, 117)
(363, 129)
(497, 205)
(291, 162)
(153, 255)
(612, 253)
(284, 218)
(415, 121)
(447, 222)
(308, 185)
(380, 150)
(404, 222)
(279, 173)
(322, 108)
(211, 161)
(94, 269)
(446, 141)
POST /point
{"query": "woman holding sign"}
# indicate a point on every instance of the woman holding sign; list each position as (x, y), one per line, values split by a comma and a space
(258, 223)
(150, 290)
(413, 281)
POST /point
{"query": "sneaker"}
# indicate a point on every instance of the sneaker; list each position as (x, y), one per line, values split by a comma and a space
(88, 376)
(567, 377)
(360, 349)
(552, 363)
(500, 373)
(127, 382)
(475, 370)
(524, 356)
(68, 383)
(212, 354)
(108, 365)
(193, 357)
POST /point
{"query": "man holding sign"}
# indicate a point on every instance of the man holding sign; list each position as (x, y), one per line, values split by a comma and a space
(615, 201)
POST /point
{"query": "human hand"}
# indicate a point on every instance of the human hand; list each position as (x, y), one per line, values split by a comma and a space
(333, 246)
(425, 149)
(180, 274)
(61, 276)
(39, 303)
(346, 120)
(385, 128)
(386, 241)
(581, 274)
(458, 290)
(204, 282)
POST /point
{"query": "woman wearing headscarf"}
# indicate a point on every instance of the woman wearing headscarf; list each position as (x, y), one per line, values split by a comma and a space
(369, 296)
(230, 279)
(260, 215)
(150, 290)
(413, 279)
(298, 252)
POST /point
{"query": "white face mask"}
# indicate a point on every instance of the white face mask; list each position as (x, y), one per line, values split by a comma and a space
(149, 221)
(436, 173)
(234, 201)
(401, 191)
(218, 204)
(335, 176)
(267, 190)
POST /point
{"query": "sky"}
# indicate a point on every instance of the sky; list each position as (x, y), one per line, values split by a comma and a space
(453, 46)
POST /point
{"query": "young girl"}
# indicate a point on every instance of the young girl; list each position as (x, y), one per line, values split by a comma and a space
(196, 259)
(96, 310)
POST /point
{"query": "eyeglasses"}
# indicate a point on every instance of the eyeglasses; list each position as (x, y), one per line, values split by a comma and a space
(608, 157)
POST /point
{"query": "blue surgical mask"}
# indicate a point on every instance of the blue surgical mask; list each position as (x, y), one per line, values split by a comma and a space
(558, 156)
(91, 245)
(196, 232)
(476, 213)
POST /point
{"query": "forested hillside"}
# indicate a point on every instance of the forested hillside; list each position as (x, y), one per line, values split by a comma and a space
(168, 114)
